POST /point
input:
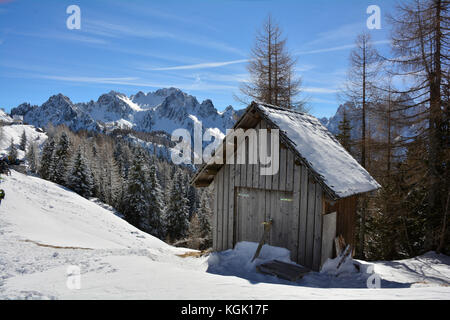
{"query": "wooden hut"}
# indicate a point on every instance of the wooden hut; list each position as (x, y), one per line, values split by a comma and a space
(310, 200)
(17, 119)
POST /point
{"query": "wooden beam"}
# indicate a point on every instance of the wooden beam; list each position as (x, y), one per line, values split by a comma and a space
(202, 183)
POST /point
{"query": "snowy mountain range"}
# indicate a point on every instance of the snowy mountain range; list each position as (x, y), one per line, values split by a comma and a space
(167, 109)
(377, 121)
(163, 110)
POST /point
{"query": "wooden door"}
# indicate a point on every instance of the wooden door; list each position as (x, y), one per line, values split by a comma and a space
(252, 210)
(250, 214)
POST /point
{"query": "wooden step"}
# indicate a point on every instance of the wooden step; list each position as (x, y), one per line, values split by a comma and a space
(287, 271)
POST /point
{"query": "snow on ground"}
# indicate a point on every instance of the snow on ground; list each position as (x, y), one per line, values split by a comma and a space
(4, 117)
(15, 132)
(45, 229)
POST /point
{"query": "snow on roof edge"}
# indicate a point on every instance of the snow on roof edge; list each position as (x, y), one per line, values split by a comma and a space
(324, 155)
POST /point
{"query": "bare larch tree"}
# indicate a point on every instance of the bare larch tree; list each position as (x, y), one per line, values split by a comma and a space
(420, 39)
(272, 70)
(360, 88)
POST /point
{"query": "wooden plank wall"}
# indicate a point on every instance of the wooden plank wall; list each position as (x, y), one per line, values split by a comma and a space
(297, 223)
(346, 217)
(328, 236)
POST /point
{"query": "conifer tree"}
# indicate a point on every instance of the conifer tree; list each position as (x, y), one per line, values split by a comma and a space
(46, 162)
(32, 157)
(204, 215)
(156, 205)
(345, 128)
(60, 160)
(79, 177)
(177, 215)
(12, 154)
(93, 163)
(112, 181)
(191, 195)
(136, 197)
(23, 141)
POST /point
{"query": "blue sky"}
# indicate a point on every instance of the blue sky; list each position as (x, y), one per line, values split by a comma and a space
(198, 46)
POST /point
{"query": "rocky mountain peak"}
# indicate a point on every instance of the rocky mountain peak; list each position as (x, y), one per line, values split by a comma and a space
(162, 110)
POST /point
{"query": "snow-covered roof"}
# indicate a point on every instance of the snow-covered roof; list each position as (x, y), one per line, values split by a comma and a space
(334, 168)
(320, 151)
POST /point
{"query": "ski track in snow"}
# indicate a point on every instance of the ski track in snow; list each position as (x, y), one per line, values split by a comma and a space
(125, 263)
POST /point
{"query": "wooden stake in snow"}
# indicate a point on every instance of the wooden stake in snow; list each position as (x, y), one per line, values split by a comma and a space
(339, 243)
(267, 226)
(344, 255)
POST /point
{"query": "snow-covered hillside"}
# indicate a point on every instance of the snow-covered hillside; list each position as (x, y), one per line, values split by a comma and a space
(14, 133)
(4, 117)
(46, 230)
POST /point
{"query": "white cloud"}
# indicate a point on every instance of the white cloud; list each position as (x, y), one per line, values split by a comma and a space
(347, 31)
(107, 29)
(132, 81)
(319, 90)
(144, 11)
(199, 65)
(67, 36)
(324, 101)
(115, 30)
(339, 48)
(89, 79)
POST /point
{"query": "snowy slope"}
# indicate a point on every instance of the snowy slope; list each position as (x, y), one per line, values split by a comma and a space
(14, 132)
(44, 229)
(4, 117)
(46, 213)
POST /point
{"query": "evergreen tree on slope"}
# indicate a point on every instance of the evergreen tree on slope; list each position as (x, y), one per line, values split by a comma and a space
(47, 159)
(32, 157)
(136, 196)
(156, 204)
(177, 215)
(112, 180)
(60, 160)
(204, 215)
(79, 178)
(345, 128)
(12, 154)
(23, 141)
